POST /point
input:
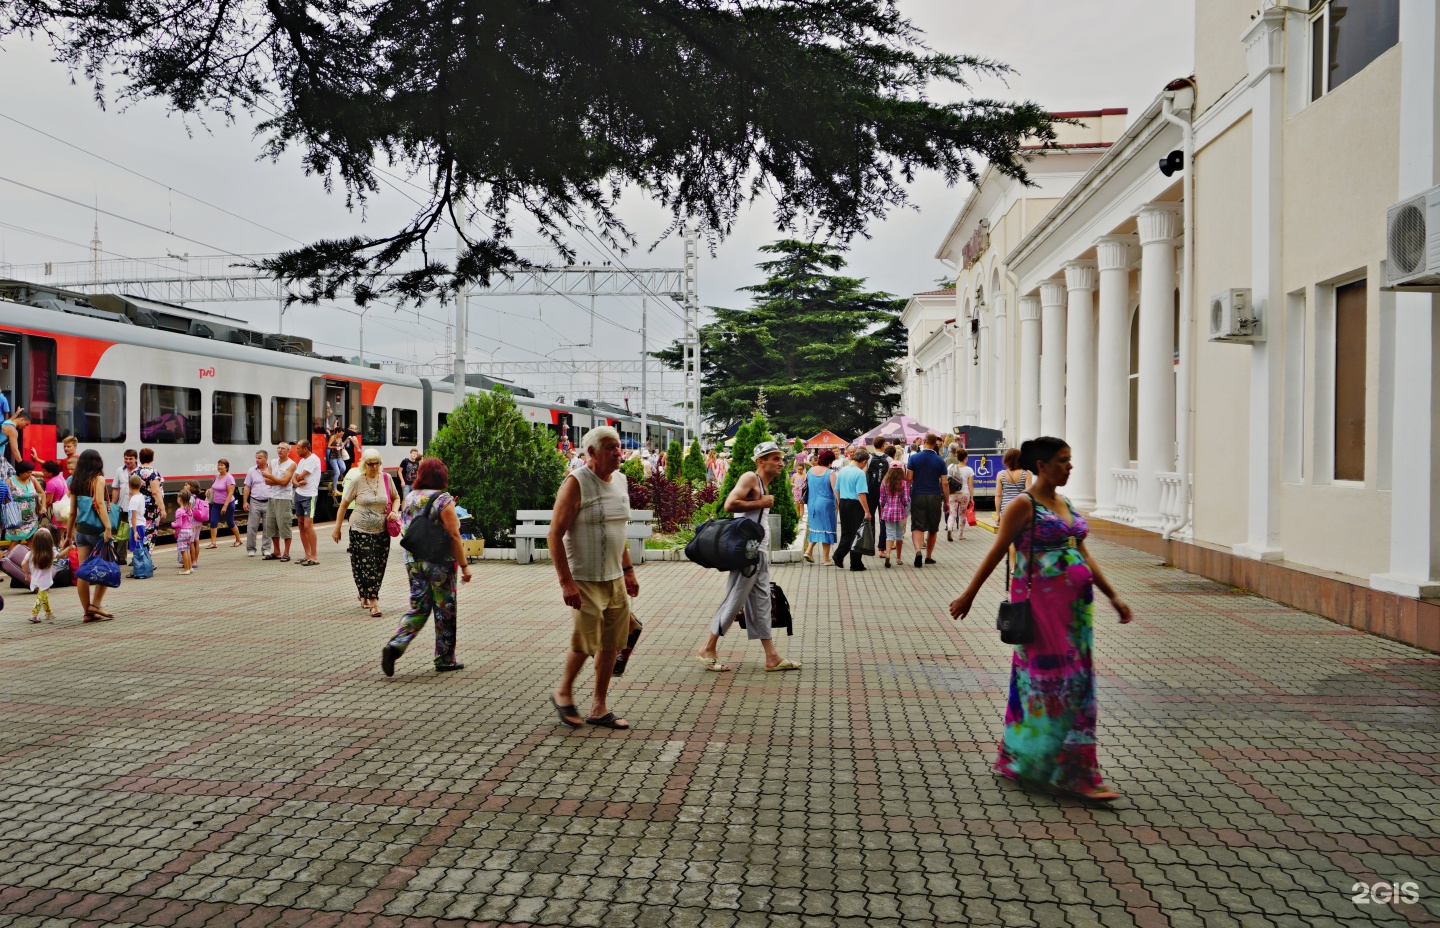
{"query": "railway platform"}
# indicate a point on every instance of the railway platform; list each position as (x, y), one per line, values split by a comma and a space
(227, 752)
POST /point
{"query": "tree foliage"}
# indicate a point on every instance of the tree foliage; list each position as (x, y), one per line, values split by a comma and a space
(820, 348)
(674, 459)
(498, 464)
(693, 468)
(491, 107)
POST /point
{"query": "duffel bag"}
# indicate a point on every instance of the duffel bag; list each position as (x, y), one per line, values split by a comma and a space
(727, 544)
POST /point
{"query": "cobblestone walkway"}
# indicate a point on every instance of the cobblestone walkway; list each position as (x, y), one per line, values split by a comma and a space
(227, 753)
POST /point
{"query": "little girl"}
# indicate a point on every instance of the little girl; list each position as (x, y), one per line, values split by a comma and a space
(40, 564)
(200, 512)
(185, 530)
(894, 508)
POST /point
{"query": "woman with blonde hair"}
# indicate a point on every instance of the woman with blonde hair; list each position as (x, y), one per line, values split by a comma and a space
(376, 507)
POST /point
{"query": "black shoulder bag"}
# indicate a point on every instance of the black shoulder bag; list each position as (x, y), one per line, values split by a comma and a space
(1016, 620)
(426, 539)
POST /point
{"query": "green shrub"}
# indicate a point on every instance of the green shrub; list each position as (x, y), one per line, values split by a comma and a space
(634, 471)
(674, 458)
(706, 512)
(497, 463)
(693, 469)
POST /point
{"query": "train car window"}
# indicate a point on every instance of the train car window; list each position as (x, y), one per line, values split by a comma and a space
(333, 416)
(39, 379)
(169, 415)
(441, 419)
(406, 428)
(289, 419)
(91, 410)
(235, 418)
(373, 432)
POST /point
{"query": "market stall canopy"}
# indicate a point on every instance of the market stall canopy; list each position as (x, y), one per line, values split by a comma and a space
(826, 439)
(898, 428)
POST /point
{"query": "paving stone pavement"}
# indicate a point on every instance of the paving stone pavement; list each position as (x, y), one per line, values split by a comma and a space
(227, 752)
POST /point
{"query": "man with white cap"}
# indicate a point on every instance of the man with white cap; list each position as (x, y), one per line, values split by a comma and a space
(750, 499)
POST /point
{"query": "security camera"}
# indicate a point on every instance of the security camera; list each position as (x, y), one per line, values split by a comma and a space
(1172, 163)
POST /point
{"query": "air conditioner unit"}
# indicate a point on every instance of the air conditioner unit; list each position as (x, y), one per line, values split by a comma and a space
(1412, 243)
(1233, 317)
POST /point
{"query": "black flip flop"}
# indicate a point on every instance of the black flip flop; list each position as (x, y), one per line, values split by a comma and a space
(567, 710)
(607, 720)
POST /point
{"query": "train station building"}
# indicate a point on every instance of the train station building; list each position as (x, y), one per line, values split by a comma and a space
(1204, 311)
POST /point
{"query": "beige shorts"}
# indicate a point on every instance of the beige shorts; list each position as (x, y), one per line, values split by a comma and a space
(602, 623)
(277, 519)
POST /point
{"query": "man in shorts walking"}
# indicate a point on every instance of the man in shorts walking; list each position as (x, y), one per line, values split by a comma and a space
(929, 488)
(587, 544)
(280, 478)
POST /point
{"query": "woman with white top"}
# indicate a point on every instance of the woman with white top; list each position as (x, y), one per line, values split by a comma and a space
(962, 483)
(376, 503)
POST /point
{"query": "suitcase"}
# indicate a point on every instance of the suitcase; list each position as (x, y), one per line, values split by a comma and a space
(11, 565)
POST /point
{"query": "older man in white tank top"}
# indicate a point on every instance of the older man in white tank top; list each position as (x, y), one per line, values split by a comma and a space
(751, 499)
(587, 545)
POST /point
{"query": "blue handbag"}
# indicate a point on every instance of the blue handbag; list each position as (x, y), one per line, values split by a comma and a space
(100, 568)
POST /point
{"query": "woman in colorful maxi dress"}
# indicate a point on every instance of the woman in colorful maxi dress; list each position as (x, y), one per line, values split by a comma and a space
(824, 516)
(1049, 739)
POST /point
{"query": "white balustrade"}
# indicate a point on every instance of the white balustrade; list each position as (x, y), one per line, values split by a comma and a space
(1172, 501)
(1127, 494)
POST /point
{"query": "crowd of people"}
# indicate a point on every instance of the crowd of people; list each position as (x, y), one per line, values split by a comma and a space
(59, 514)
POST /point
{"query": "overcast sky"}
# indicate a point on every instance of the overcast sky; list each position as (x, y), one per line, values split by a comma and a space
(1076, 55)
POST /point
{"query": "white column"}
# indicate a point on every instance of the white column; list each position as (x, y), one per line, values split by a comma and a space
(1000, 368)
(1029, 369)
(965, 357)
(1112, 368)
(1080, 279)
(1265, 58)
(985, 411)
(1414, 528)
(1052, 358)
(1159, 225)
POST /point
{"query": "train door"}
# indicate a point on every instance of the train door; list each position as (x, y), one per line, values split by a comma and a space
(27, 378)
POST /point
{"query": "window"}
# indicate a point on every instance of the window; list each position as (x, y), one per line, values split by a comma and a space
(373, 431)
(1345, 36)
(333, 396)
(169, 415)
(39, 398)
(91, 410)
(289, 419)
(235, 418)
(441, 419)
(1350, 319)
(406, 428)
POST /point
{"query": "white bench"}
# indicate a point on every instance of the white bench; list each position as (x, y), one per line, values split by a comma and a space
(532, 524)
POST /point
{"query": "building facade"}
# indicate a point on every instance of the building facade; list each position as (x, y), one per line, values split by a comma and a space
(963, 356)
(1301, 454)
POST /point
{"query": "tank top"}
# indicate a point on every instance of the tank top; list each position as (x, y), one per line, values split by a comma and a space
(595, 543)
(758, 515)
(1008, 490)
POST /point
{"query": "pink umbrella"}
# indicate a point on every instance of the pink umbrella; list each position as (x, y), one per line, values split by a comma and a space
(898, 428)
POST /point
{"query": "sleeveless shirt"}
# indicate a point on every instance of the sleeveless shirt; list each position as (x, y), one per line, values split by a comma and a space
(759, 515)
(595, 543)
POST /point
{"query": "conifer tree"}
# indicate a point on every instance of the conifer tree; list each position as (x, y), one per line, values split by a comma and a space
(694, 467)
(814, 349)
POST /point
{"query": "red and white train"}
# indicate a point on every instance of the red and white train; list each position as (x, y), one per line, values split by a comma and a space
(120, 372)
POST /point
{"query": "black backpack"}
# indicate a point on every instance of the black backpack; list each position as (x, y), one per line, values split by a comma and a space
(426, 538)
(727, 544)
(874, 473)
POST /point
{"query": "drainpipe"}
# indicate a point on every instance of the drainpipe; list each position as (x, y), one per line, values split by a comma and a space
(1181, 95)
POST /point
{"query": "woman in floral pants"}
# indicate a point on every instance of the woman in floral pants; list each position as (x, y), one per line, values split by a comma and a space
(432, 584)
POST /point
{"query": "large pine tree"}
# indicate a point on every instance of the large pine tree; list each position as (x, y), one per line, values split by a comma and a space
(498, 107)
(820, 347)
